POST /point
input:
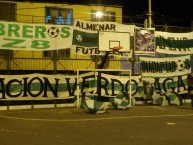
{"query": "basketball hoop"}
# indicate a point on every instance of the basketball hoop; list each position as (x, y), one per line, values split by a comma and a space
(116, 48)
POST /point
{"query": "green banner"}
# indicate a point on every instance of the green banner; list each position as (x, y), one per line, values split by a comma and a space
(85, 39)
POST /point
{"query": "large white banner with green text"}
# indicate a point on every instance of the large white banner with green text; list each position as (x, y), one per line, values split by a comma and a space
(35, 37)
(165, 67)
(174, 43)
(49, 87)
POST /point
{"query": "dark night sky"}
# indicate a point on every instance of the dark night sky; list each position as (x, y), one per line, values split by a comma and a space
(172, 12)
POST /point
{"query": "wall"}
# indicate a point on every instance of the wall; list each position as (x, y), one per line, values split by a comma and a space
(28, 12)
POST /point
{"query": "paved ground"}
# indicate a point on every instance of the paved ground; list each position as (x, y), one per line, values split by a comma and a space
(139, 125)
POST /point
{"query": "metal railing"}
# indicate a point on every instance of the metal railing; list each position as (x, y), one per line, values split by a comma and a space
(48, 66)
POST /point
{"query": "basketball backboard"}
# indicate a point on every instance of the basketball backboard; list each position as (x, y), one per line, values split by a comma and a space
(109, 40)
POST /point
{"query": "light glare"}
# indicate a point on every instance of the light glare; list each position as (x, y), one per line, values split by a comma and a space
(99, 14)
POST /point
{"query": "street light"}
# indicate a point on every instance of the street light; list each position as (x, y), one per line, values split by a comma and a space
(99, 14)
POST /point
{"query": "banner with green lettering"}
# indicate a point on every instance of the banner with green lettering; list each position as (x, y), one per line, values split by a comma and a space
(174, 43)
(36, 37)
(86, 37)
(165, 67)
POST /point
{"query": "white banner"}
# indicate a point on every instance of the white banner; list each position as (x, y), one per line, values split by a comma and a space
(36, 37)
(174, 43)
(86, 38)
(165, 67)
(49, 87)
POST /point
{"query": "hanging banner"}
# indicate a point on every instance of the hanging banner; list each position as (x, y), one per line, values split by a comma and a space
(86, 35)
(49, 87)
(144, 41)
(165, 67)
(34, 37)
(174, 43)
(35, 87)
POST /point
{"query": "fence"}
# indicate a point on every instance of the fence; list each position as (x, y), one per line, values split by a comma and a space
(51, 66)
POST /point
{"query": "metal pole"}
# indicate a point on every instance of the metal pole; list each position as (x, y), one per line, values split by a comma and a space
(8, 61)
(145, 23)
(55, 60)
(149, 13)
(78, 95)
